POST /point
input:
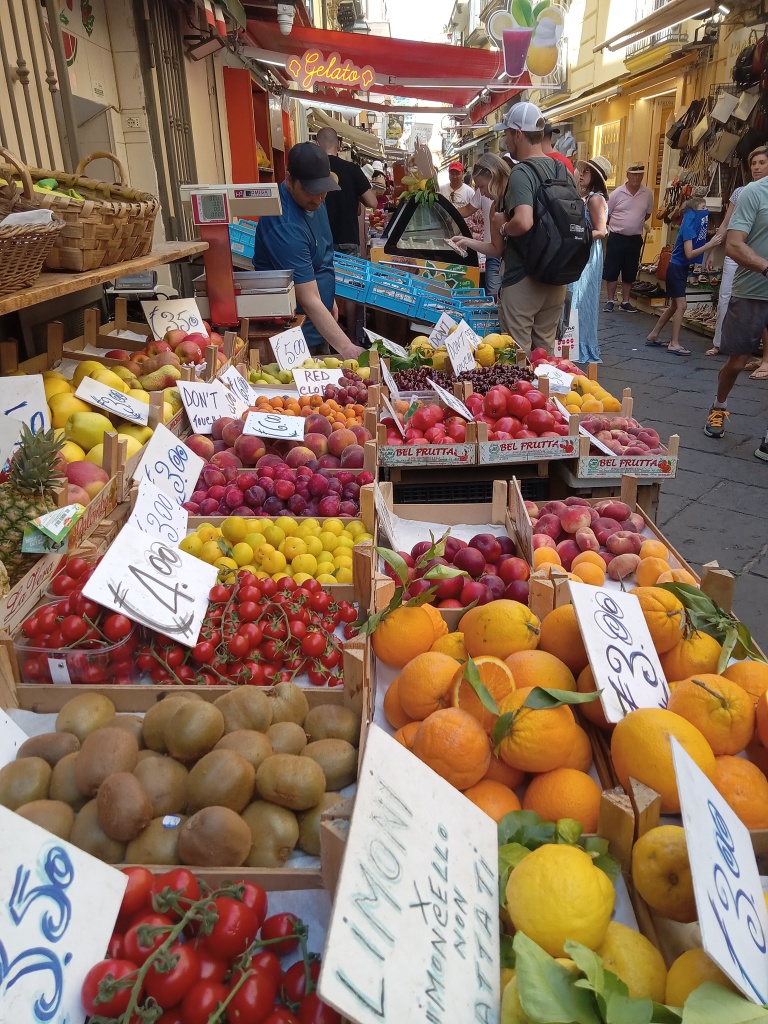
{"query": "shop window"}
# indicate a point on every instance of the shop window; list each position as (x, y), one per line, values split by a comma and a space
(606, 140)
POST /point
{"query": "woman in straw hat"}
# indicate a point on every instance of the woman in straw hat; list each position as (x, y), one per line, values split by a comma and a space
(591, 176)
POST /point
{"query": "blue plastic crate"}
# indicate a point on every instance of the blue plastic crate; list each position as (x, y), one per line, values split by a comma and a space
(242, 237)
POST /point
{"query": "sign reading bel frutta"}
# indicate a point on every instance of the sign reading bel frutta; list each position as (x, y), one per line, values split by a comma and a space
(415, 928)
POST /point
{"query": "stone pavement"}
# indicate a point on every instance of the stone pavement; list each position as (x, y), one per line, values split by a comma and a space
(717, 506)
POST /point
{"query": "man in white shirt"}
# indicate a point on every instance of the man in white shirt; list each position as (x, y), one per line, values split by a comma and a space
(456, 191)
(629, 207)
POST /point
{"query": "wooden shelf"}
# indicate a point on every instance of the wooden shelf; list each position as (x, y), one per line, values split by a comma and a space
(52, 285)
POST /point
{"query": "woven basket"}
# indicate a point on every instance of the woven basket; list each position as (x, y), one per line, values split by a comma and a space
(110, 224)
(22, 249)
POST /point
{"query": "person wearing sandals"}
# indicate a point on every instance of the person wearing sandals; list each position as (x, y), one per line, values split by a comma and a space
(591, 176)
(691, 242)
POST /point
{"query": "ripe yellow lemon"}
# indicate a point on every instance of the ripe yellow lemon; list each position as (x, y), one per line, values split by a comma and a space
(636, 961)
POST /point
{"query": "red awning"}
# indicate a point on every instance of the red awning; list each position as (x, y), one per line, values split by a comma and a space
(403, 67)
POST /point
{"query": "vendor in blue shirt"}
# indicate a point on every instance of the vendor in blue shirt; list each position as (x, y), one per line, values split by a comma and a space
(300, 240)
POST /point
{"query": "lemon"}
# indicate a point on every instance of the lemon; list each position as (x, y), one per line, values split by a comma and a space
(234, 529)
(556, 893)
(53, 375)
(86, 369)
(362, 538)
(72, 452)
(192, 544)
(287, 525)
(497, 23)
(304, 564)
(140, 396)
(242, 553)
(343, 575)
(485, 355)
(512, 1011)
(636, 961)
(542, 60)
(691, 969)
(210, 551)
(56, 386)
(63, 405)
(208, 532)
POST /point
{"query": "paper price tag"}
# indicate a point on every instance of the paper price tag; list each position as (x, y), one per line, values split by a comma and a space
(416, 908)
(460, 351)
(159, 515)
(11, 738)
(441, 330)
(153, 584)
(290, 348)
(390, 346)
(389, 380)
(268, 424)
(393, 414)
(239, 386)
(174, 315)
(58, 910)
(726, 883)
(59, 671)
(451, 400)
(620, 649)
(386, 519)
(23, 399)
(205, 403)
(169, 465)
(559, 382)
(113, 402)
(314, 382)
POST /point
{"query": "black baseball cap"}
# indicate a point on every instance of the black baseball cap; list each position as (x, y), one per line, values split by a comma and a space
(309, 165)
(549, 129)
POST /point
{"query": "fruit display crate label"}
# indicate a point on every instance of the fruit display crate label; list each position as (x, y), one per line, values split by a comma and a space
(290, 348)
(158, 515)
(16, 604)
(729, 897)
(112, 401)
(526, 449)
(205, 403)
(415, 916)
(96, 511)
(427, 455)
(169, 465)
(560, 383)
(174, 315)
(644, 467)
(314, 382)
(56, 921)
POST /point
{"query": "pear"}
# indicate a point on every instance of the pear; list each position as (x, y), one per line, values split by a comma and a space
(161, 379)
(139, 394)
(173, 398)
(332, 363)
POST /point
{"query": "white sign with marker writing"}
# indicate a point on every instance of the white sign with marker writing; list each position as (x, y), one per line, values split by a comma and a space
(440, 331)
(560, 383)
(23, 398)
(386, 519)
(154, 584)
(314, 382)
(451, 400)
(239, 386)
(169, 465)
(393, 414)
(159, 515)
(620, 649)
(11, 738)
(173, 315)
(10, 437)
(390, 346)
(269, 424)
(290, 348)
(415, 919)
(58, 910)
(113, 402)
(389, 380)
(726, 883)
(460, 350)
(205, 403)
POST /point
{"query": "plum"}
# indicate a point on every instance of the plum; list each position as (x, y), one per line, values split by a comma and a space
(470, 560)
(568, 550)
(488, 546)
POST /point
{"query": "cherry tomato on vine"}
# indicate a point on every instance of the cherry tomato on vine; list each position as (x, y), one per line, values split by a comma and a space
(116, 947)
(204, 652)
(134, 949)
(236, 927)
(313, 645)
(255, 673)
(281, 1015)
(248, 611)
(174, 657)
(186, 674)
(211, 968)
(320, 602)
(170, 987)
(348, 612)
(295, 980)
(297, 630)
(238, 646)
(288, 584)
(181, 880)
(138, 892)
(63, 585)
(276, 630)
(219, 594)
(254, 1000)
(314, 1011)
(119, 1002)
(267, 961)
(174, 1016)
(117, 627)
(281, 926)
(201, 1001)
(331, 658)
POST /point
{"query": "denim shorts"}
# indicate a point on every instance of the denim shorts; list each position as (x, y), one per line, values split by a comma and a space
(492, 275)
(676, 280)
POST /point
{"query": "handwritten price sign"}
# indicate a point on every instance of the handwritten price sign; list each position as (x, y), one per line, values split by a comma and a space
(205, 403)
(158, 515)
(460, 351)
(112, 401)
(267, 424)
(174, 315)
(57, 911)
(441, 330)
(560, 383)
(169, 465)
(314, 382)
(239, 386)
(451, 400)
(290, 348)
(390, 409)
(153, 584)
(23, 399)
(389, 381)
(729, 898)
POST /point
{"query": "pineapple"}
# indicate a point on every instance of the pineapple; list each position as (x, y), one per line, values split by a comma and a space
(28, 492)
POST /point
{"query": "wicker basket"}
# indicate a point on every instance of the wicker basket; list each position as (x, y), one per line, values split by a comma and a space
(110, 224)
(23, 249)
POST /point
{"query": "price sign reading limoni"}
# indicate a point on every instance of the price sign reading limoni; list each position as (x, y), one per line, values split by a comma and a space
(154, 584)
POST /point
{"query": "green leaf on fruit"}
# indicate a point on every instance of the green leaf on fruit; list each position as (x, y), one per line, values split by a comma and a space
(472, 676)
(522, 13)
(541, 6)
(507, 951)
(597, 848)
(424, 598)
(665, 1015)
(547, 990)
(510, 856)
(443, 572)
(396, 562)
(502, 729)
(568, 831)
(526, 828)
(225, 549)
(542, 698)
(711, 1002)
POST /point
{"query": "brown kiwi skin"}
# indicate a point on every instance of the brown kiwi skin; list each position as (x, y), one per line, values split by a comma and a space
(223, 778)
(214, 837)
(309, 823)
(153, 727)
(84, 714)
(51, 746)
(253, 746)
(287, 737)
(124, 807)
(288, 704)
(294, 782)
(274, 834)
(158, 843)
(337, 758)
(53, 815)
(63, 785)
(87, 834)
(165, 782)
(23, 781)
(245, 708)
(133, 724)
(104, 752)
(193, 731)
(332, 722)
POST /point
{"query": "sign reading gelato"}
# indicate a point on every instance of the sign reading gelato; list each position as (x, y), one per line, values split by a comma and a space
(314, 68)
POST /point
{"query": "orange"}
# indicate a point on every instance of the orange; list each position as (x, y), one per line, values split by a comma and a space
(561, 636)
(661, 872)
(585, 683)
(761, 718)
(393, 709)
(654, 549)
(589, 573)
(588, 557)
(424, 685)
(648, 571)
(664, 616)
(542, 556)
(580, 756)
(537, 668)
(678, 576)
(751, 675)
(641, 749)
(500, 628)
(401, 635)
(698, 652)
(538, 740)
(407, 733)
(564, 793)
(453, 644)
(493, 798)
(496, 678)
(744, 788)
(758, 755)
(454, 745)
(438, 622)
(499, 771)
(719, 709)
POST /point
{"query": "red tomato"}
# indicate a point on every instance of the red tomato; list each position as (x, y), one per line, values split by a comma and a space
(63, 584)
(313, 645)
(117, 627)
(281, 926)
(201, 1001)
(295, 980)
(137, 952)
(211, 968)
(235, 929)
(180, 880)
(174, 1016)
(204, 652)
(169, 988)
(219, 594)
(249, 611)
(254, 1000)
(116, 947)
(119, 1002)
(312, 586)
(238, 646)
(75, 567)
(314, 1011)
(320, 602)
(255, 898)
(138, 891)
(267, 961)
(281, 1016)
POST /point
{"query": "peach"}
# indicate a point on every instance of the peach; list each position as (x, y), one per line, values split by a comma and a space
(202, 445)
(573, 500)
(623, 566)
(361, 433)
(299, 456)
(318, 443)
(339, 440)
(317, 424)
(328, 462)
(575, 518)
(604, 527)
(533, 509)
(543, 540)
(624, 543)
(554, 508)
(217, 427)
(617, 510)
(353, 456)
(77, 494)
(586, 540)
(568, 550)
(549, 524)
(249, 448)
(87, 477)
(637, 521)
(232, 431)
(226, 458)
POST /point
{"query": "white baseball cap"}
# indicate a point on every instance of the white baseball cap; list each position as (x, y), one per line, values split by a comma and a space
(377, 165)
(524, 117)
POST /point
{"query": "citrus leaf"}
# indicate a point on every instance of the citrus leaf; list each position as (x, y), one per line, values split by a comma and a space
(589, 963)
(510, 856)
(568, 831)
(501, 729)
(507, 951)
(482, 692)
(225, 549)
(621, 1008)
(729, 642)
(396, 562)
(745, 639)
(547, 990)
(665, 1015)
(414, 602)
(711, 1002)
(526, 828)
(541, 698)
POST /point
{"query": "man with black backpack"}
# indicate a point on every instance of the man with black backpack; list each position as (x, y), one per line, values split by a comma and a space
(546, 233)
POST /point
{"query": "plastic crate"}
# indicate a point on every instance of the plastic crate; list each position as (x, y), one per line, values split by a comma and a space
(242, 237)
(464, 492)
(351, 284)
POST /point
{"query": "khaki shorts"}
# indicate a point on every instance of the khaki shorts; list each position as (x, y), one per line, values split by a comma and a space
(530, 311)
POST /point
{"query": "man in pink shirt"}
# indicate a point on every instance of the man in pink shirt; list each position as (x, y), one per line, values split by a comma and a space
(629, 207)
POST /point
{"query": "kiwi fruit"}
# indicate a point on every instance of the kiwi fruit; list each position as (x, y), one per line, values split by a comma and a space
(274, 834)
(165, 782)
(253, 746)
(288, 703)
(222, 778)
(53, 815)
(155, 720)
(51, 746)
(214, 837)
(84, 714)
(23, 781)
(124, 806)
(309, 823)
(63, 785)
(245, 708)
(333, 722)
(287, 738)
(103, 753)
(193, 730)
(294, 782)
(337, 758)
(88, 835)
(158, 843)
(133, 724)
(149, 755)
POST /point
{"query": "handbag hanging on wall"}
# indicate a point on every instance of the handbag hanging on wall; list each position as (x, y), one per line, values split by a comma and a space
(664, 258)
